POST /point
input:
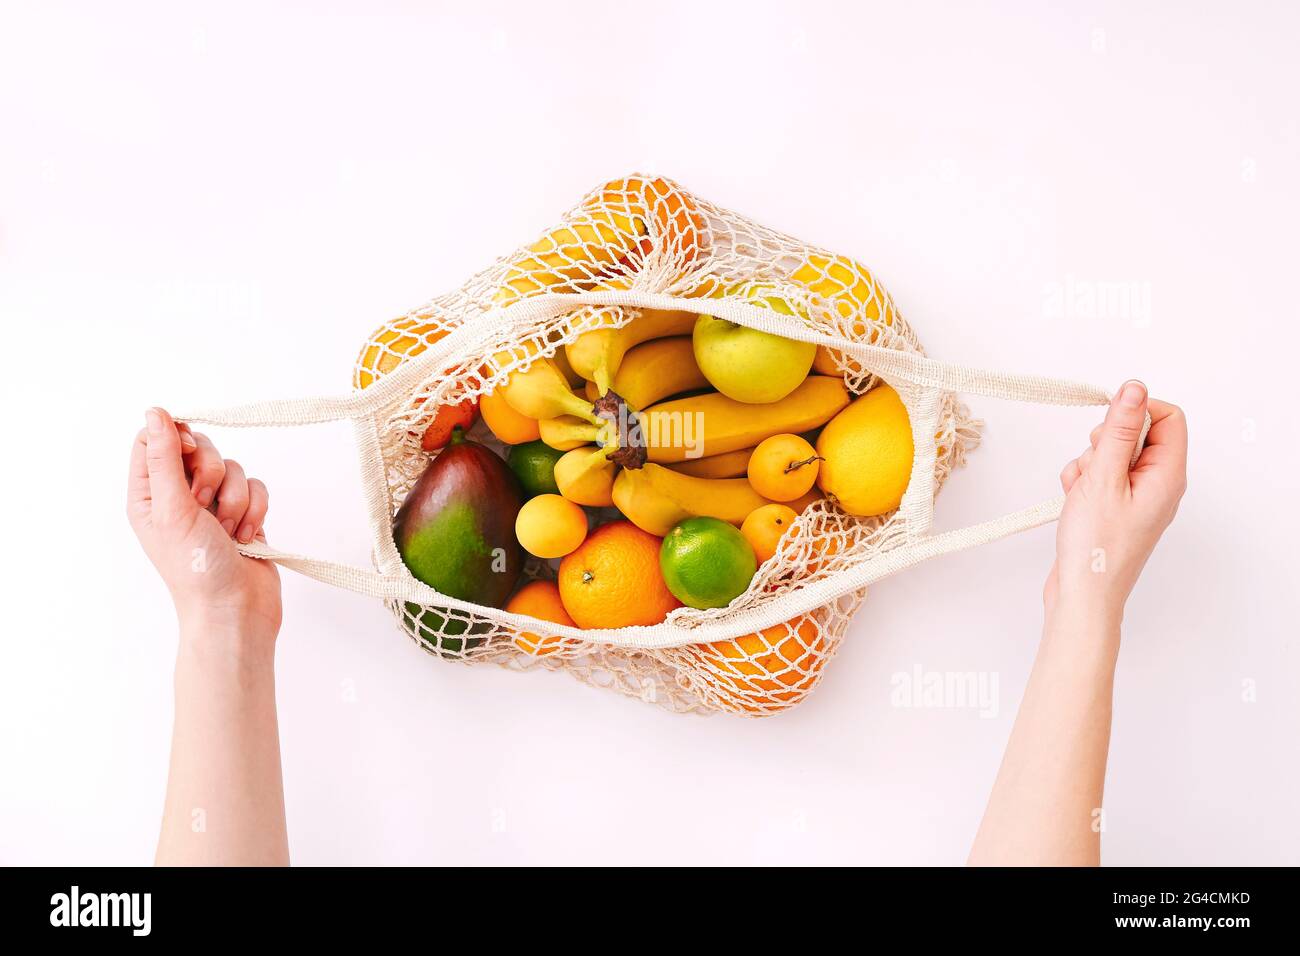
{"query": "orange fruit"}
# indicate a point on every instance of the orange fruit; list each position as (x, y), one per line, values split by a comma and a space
(823, 548)
(506, 423)
(764, 527)
(550, 526)
(676, 215)
(540, 599)
(613, 579)
(393, 343)
(768, 671)
(783, 467)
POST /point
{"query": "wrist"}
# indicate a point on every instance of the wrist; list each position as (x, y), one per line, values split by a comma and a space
(240, 620)
(1095, 603)
(223, 642)
(1080, 622)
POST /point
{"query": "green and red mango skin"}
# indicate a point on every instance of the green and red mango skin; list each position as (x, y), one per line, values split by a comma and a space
(459, 520)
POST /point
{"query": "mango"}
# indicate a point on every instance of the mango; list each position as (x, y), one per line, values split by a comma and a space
(456, 532)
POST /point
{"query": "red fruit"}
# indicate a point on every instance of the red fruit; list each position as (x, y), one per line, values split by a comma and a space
(447, 418)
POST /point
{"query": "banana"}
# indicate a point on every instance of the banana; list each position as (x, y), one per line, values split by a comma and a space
(585, 476)
(854, 293)
(566, 433)
(541, 391)
(575, 380)
(732, 464)
(713, 424)
(597, 353)
(655, 498)
(654, 370)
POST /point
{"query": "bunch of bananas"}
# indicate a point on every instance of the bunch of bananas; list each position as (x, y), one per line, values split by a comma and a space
(681, 456)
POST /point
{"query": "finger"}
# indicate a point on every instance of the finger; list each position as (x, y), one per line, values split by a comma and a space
(1165, 456)
(207, 470)
(1168, 426)
(1069, 475)
(187, 438)
(259, 500)
(1120, 431)
(232, 498)
(169, 492)
(1094, 435)
(1085, 460)
(137, 478)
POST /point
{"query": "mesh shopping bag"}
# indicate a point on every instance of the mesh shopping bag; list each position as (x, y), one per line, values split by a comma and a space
(642, 248)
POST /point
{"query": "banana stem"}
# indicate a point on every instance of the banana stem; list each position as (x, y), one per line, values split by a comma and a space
(616, 413)
(580, 408)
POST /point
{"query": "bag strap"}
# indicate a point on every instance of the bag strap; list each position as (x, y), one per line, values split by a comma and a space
(923, 404)
(920, 381)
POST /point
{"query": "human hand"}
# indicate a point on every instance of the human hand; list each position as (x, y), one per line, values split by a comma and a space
(1114, 515)
(175, 476)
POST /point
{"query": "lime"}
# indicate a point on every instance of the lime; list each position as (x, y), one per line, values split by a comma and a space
(533, 463)
(706, 562)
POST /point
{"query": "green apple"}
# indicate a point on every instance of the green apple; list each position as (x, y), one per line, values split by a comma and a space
(749, 365)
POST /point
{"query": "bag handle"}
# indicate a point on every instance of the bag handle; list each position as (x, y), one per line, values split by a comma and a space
(401, 586)
(923, 406)
(890, 364)
(920, 381)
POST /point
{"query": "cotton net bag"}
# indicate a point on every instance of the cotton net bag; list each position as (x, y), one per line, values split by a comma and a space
(643, 242)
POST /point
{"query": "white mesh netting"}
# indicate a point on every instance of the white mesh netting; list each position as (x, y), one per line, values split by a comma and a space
(647, 234)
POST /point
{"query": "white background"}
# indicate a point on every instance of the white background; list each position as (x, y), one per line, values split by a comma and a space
(204, 210)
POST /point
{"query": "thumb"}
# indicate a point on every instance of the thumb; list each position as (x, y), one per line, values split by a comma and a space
(1121, 430)
(167, 485)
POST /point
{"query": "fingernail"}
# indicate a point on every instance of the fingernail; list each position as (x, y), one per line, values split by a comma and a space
(228, 526)
(205, 497)
(154, 421)
(187, 442)
(245, 533)
(1132, 394)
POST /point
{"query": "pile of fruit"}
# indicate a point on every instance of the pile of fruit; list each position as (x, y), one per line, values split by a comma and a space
(653, 460)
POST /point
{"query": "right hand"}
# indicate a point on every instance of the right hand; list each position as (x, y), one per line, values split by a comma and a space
(188, 506)
(1114, 515)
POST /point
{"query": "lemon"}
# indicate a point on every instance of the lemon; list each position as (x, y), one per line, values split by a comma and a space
(706, 562)
(867, 454)
(550, 526)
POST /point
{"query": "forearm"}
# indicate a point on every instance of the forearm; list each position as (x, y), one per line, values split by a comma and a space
(225, 795)
(1046, 801)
